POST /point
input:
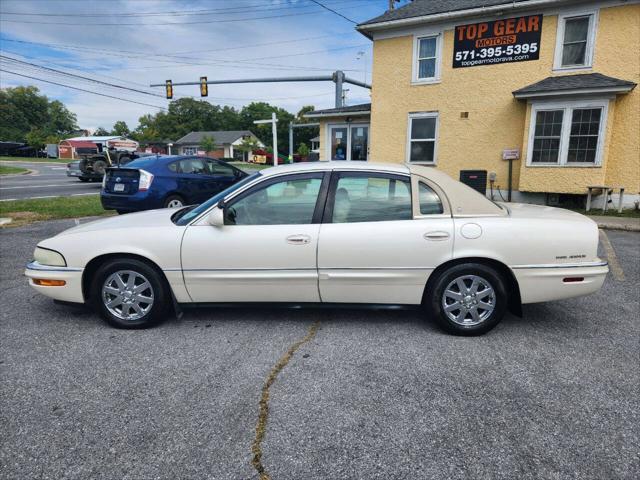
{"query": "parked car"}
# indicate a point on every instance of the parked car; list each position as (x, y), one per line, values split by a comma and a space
(73, 170)
(325, 232)
(168, 181)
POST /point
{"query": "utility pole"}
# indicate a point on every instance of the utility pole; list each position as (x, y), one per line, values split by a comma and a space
(274, 122)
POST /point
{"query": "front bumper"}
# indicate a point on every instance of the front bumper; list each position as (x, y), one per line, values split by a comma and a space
(70, 292)
(543, 283)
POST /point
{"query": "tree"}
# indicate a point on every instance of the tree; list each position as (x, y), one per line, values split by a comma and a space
(208, 143)
(248, 145)
(262, 111)
(23, 111)
(101, 132)
(303, 150)
(120, 129)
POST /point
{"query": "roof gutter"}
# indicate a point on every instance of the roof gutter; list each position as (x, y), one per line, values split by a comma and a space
(574, 91)
(439, 17)
(337, 114)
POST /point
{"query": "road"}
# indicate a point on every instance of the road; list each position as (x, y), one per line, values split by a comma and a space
(49, 180)
(374, 395)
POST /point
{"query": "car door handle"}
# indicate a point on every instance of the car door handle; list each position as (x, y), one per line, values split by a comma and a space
(436, 236)
(298, 239)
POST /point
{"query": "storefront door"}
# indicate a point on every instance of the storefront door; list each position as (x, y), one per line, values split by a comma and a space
(348, 142)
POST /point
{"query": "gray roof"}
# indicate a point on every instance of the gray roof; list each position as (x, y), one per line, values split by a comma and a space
(363, 107)
(221, 137)
(575, 83)
(420, 8)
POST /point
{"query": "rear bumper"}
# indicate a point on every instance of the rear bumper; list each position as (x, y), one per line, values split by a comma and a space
(130, 203)
(543, 283)
(70, 292)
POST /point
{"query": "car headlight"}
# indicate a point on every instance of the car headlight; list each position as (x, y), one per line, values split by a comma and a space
(52, 258)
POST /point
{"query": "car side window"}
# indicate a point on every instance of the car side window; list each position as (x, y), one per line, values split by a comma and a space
(376, 198)
(174, 167)
(288, 202)
(193, 165)
(430, 203)
(219, 168)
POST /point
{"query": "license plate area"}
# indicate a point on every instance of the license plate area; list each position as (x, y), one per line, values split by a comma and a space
(118, 187)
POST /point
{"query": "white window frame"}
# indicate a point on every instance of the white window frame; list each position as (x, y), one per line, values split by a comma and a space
(189, 150)
(591, 39)
(565, 133)
(413, 116)
(416, 49)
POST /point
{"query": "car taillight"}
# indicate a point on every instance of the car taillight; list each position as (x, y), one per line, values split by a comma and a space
(145, 180)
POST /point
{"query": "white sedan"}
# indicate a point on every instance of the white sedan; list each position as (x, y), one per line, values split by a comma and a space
(337, 233)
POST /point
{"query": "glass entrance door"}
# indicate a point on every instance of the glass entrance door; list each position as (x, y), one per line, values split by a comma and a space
(349, 142)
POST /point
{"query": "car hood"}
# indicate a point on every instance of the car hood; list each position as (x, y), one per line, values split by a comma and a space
(526, 210)
(149, 218)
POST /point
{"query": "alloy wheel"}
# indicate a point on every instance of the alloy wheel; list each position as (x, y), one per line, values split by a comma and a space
(469, 300)
(127, 295)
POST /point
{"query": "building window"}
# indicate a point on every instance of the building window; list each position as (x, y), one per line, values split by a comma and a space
(422, 136)
(546, 140)
(576, 35)
(570, 134)
(189, 150)
(427, 59)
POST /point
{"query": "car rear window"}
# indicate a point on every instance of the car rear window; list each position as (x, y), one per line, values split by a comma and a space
(142, 162)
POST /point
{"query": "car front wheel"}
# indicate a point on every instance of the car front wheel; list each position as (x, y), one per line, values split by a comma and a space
(129, 294)
(467, 299)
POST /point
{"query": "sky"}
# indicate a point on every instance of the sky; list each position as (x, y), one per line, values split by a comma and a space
(134, 43)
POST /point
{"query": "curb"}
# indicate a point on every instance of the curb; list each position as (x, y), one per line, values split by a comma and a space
(10, 175)
(5, 220)
(623, 228)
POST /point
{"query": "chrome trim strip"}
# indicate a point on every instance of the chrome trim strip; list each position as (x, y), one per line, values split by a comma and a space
(563, 265)
(291, 269)
(50, 268)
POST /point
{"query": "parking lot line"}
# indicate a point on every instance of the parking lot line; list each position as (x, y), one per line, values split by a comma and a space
(263, 415)
(616, 269)
(22, 187)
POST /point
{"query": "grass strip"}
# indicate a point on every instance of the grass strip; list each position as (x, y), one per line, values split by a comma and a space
(6, 170)
(33, 159)
(263, 415)
(24, 212)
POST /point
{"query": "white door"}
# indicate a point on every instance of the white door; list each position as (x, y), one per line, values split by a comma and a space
(265, 252)
(375, 246)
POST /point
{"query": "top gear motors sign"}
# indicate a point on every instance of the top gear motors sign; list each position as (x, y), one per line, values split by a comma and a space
(501, 41)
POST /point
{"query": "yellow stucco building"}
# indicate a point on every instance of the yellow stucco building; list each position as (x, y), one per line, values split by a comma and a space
(463, 84)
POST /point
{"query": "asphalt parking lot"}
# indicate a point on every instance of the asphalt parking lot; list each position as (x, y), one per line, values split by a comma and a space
(48, 180)
(373, 395)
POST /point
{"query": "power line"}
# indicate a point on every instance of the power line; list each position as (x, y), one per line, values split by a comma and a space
(198, 22)
(81, 89)
(333, 11)
(178, 13)
(113, 85)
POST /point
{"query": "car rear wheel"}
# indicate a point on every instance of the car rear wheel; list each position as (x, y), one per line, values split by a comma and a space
(467, 299)
(129, 294)
(174, 201)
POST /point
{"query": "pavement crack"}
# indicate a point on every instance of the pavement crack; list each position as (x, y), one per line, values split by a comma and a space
(263, 410)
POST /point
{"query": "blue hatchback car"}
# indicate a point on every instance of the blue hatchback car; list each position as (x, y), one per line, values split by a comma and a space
(167, 181)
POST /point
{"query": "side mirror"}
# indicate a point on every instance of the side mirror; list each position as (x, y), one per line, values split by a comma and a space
(216, 217)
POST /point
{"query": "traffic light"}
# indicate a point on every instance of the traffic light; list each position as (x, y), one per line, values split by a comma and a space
(204, 88)
(169, 88)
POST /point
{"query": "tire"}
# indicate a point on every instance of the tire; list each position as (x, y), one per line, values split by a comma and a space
(131, 312)
(122, 212)
(443, 297)
(99, 167)
(174, 201)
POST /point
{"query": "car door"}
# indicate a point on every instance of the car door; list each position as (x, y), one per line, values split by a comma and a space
(221, 175)
(194, 180)
(266, 251)
(376, 246)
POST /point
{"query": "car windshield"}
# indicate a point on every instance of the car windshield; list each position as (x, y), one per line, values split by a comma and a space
(190, 213)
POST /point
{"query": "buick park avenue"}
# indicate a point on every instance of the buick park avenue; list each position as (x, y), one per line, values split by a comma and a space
(328, 233)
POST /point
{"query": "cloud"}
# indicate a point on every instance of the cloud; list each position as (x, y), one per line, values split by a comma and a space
(136, 55)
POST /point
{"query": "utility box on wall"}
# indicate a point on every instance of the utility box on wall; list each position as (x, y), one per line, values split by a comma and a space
(476, 179)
